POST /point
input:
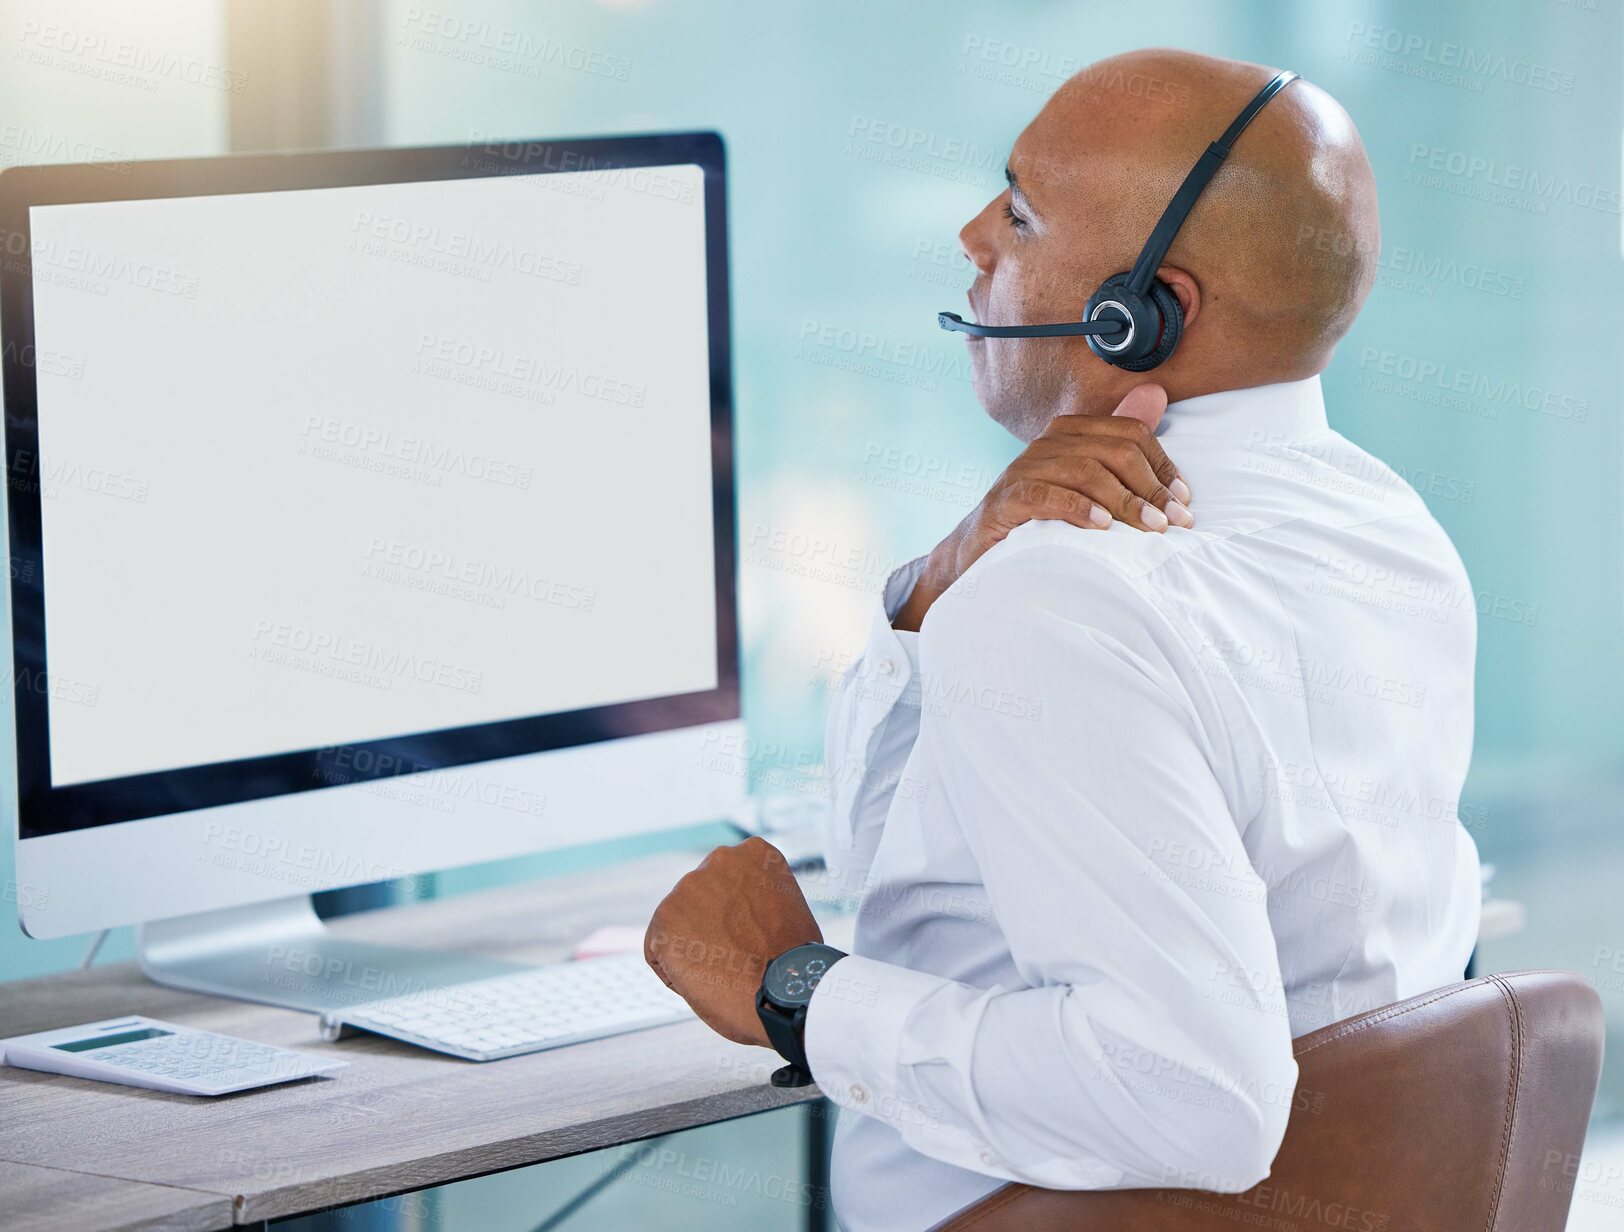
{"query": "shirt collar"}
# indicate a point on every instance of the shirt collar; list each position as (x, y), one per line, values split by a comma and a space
(1292, 410)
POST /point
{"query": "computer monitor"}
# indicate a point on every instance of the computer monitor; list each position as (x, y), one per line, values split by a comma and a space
(371, 513)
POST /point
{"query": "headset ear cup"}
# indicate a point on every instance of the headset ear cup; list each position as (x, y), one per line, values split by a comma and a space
(1116, 302)
(1172, 315)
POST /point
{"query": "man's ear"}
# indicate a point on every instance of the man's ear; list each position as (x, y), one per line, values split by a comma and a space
(1186, 288)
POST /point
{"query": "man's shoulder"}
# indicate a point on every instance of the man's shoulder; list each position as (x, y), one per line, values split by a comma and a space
(1055, 564)
(1148, 591)
(1046, 577)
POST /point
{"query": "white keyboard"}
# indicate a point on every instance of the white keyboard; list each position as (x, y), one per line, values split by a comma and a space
(545, 1007)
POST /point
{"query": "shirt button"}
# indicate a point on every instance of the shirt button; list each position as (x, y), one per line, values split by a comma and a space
(988, 1159)
(859, 1093)
(887, 667)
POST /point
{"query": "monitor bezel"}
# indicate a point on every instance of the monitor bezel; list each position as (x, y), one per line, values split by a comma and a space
(44, 809)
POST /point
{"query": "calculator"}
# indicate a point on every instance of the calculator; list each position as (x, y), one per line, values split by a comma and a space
(144, 1052)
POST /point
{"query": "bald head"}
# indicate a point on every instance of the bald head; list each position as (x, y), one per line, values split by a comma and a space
(1272, 265)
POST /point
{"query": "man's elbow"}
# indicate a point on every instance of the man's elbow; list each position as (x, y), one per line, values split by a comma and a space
(1244, 1158)
(1239, 1144)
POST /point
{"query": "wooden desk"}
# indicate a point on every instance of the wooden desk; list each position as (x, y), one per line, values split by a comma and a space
(93, 1156)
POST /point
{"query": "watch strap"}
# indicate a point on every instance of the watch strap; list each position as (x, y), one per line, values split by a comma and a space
(786, 1030)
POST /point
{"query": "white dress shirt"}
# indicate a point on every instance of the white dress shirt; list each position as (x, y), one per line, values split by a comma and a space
(1131, 811)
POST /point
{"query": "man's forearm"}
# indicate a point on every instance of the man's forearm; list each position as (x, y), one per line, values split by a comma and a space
(936, 578)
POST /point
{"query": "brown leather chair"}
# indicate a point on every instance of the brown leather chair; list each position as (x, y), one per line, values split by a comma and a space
(1461, 1110)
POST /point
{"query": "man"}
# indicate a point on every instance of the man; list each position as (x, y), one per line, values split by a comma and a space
(1133, 806)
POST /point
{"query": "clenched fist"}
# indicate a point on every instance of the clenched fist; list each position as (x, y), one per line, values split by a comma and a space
(714, 934)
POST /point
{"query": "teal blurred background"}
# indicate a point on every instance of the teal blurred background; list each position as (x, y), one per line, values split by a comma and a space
(860, 137)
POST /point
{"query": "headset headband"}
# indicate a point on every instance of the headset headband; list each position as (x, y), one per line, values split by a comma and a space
(1178, 209)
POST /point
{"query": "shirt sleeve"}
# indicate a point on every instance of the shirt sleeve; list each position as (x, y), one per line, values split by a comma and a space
(1147, 1043)
(872, 725)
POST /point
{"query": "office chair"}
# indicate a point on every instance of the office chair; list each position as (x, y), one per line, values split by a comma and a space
(1460, 1110)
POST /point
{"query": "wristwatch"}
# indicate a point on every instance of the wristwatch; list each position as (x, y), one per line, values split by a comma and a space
(786, 991)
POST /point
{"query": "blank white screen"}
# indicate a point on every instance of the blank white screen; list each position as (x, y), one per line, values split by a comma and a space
(335, 465)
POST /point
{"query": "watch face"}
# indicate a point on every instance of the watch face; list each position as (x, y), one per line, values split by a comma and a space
(793, 975)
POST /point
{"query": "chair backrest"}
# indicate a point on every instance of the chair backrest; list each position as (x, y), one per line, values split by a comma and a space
(1461, 1110)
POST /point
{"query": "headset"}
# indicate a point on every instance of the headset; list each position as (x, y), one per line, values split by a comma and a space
(1134, 320)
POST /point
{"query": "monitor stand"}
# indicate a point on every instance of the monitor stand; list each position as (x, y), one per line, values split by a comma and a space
(280, 953)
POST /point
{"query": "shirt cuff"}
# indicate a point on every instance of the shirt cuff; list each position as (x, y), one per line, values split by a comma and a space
(864, 713)
(897, 589)
(899, 586)
(875, 1031)
(897, 649)
(897, 1044)
(854, 1025)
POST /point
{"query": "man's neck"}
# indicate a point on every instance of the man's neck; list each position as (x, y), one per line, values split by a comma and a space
(1181, 389)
